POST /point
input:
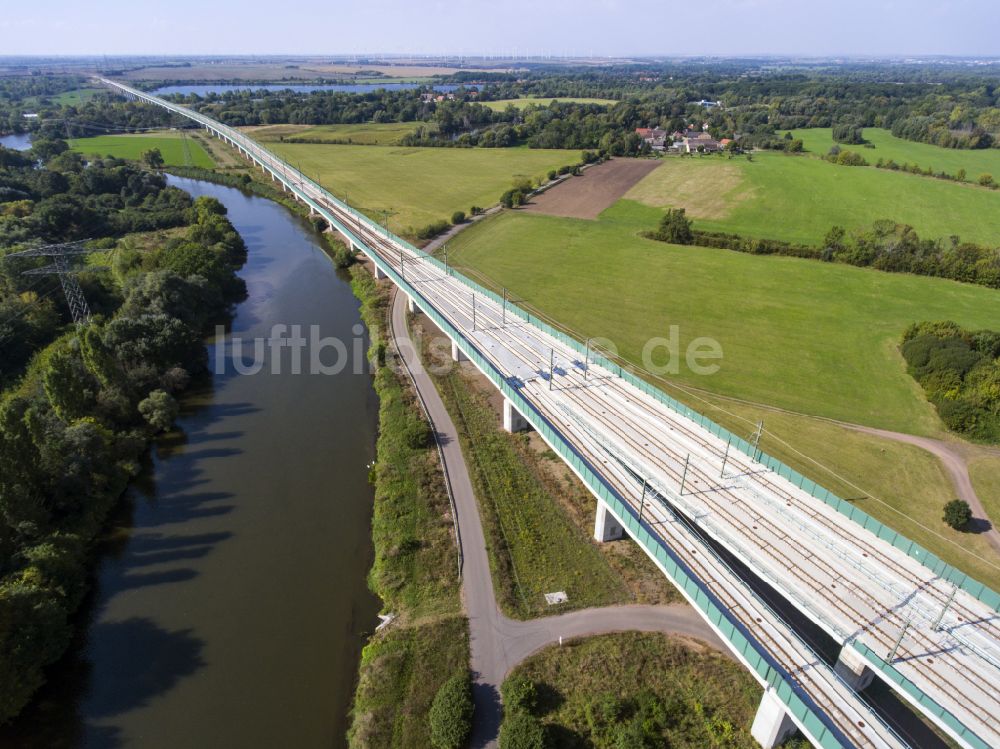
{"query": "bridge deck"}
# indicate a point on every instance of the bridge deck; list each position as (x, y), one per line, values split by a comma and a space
(852, 584)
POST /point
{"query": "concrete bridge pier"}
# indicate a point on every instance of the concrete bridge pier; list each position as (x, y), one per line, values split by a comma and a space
(379, 274)
(853, 669)
(411, 306)
(606, 526)
(772, 724)
(513, 421)
(456, 353)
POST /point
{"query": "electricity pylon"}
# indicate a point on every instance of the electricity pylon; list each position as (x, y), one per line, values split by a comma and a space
(60, 254)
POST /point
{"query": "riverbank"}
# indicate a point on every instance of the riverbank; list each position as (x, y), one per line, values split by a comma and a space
(230, 605)
(414, 573)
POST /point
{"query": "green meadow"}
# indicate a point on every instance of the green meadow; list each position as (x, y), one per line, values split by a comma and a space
(79, 96)
(177, 150)
(798, 197)
(812, 337)
(501, 104)
(418, 186)
(888, 146)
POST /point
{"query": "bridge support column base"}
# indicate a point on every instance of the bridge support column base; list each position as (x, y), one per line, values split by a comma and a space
(772, 725)
(512, 419)
(379, 275)
(456, 353)
(411, 306)
(853, 669)
(606, 526)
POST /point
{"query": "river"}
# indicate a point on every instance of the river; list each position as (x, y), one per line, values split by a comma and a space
(231, 606)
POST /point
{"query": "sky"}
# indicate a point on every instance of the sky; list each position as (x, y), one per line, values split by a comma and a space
(614, 28)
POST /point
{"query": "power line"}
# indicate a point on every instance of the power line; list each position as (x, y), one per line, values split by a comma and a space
(60, 254)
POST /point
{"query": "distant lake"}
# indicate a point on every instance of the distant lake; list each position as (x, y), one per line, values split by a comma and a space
(353, 88)
(19, 141)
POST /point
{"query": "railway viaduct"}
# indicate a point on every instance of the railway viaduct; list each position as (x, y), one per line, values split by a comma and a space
(735, 530)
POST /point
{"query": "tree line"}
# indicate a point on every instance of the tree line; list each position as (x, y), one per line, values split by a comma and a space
(885, 245)
(948, 106)
(80, 406)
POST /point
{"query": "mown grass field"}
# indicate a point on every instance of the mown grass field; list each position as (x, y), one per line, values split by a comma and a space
(799, 197)
(419, 185)
(501, 104)
(588, 688)
(808, 336)
(177, 150)
(887, 146)
(366, 133)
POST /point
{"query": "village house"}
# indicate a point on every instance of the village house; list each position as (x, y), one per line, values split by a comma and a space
(656, 137)
(694, 141)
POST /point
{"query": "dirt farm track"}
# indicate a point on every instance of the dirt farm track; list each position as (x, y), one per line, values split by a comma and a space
(594, 190)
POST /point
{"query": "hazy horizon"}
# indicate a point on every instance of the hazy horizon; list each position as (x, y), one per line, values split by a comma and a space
(559, 28)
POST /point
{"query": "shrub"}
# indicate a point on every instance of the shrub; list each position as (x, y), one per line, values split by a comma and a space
(519, 693)
(432, 230)
(458, 217)
(451, 713)
(342, 255)
(957, 514)
(417, 433)
(475, 210)
(553, 174)
(848, 133)
(522, 731)
(159, 410)
(512, 198)
(675, 227)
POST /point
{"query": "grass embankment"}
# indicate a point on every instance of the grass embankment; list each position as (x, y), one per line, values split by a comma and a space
(177, 148)
(887, 146)
(415, 571)
(635, 689)
(501, 104)
(418, 186)
(798, 198)
(537, 516)
(985, 474)
(902, 486)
